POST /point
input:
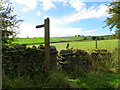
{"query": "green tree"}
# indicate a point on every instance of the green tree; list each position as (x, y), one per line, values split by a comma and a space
(9, 22)
(114, 20)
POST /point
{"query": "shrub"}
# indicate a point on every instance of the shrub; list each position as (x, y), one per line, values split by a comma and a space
(85, 38)
(102, 38)
(98, 38)
(93, 38)
(103, 60)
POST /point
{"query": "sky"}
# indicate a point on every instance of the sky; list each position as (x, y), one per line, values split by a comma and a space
(67, 17)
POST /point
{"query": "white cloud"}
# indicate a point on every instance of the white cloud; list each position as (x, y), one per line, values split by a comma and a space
(27, 4)
(24, 9)
(38, 13)
(81, 12)
(98, 0)
(47, 4)
(61, 32)
(77, 4)
(88, 31)
(30, 31)
(57, 25)
(92, 12)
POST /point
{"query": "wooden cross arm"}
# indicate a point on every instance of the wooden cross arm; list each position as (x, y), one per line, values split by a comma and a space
(40, 26)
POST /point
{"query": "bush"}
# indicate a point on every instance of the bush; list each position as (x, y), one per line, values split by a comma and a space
(85, 38)
(102, 38)
(104, 60)
(98, 38)
(93, 38)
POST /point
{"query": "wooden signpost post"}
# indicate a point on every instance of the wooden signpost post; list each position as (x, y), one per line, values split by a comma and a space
(46, 26)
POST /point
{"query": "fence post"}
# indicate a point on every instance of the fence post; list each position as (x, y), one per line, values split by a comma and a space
(96, 42)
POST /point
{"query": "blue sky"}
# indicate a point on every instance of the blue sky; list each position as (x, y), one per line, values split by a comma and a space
(67, 17)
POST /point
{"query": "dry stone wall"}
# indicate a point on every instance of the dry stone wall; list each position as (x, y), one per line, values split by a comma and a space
(20, 60)
(69, 59)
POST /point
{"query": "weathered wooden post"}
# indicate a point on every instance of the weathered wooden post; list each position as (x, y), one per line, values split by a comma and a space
(96, 42)
(47, 42)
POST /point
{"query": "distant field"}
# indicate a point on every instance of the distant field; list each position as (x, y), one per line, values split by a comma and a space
(41, 40)
(32, 40)
(87, 45)
(73, 38)
(54, 39)
(70, 38)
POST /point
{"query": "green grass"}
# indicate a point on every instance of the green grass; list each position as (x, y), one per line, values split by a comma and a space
(32, 40)
(90, 81)
(85, 45)
(70, 38)
(99, 80)
(89, 45)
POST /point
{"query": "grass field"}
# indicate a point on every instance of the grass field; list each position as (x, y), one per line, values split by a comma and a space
(69, 38)
(87, 45)
(77, 38)
(53, 39)
(32, 40)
